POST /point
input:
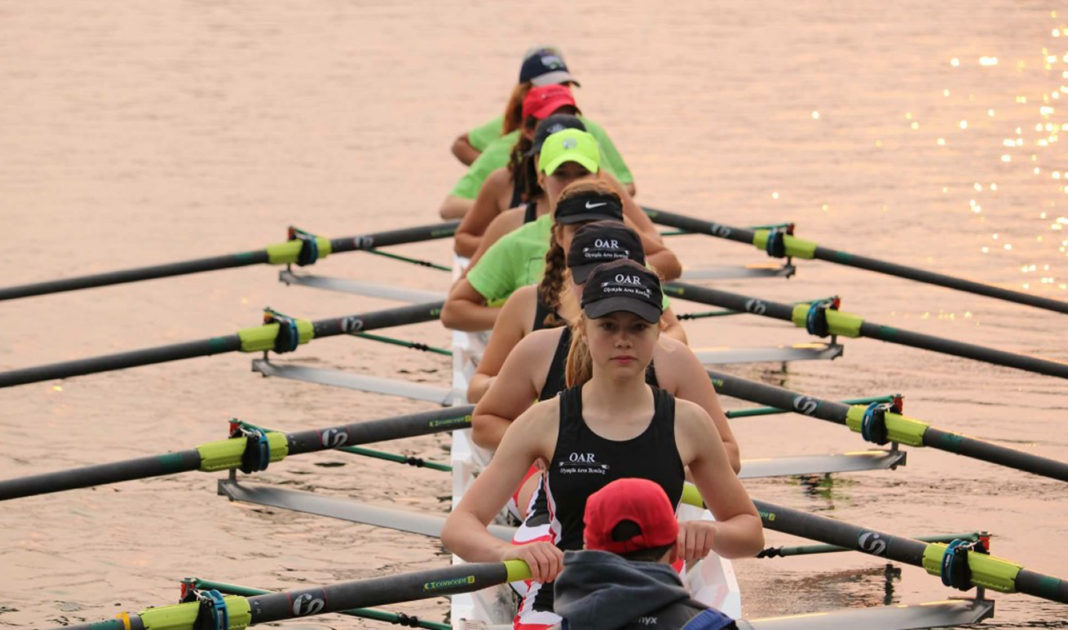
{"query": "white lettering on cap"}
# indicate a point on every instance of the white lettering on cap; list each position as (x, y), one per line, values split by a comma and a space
(606, 243)
(624, 279)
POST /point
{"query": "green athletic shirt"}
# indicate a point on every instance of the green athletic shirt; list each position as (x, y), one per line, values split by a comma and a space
(516, 260)
(495, 155)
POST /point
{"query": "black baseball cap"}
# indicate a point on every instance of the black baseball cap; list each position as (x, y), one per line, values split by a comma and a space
(545, 66)
(600, 242)
(622, 285)
(590, 206)
(552, 124)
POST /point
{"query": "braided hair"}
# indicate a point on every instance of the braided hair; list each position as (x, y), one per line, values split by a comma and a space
(552, 281)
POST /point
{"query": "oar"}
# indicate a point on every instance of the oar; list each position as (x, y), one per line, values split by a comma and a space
(982, 570)
(822, 321)
(806, 550)
(798, 248)
(254, 451)
(240, 611)
(255, 339)
(409, 621)
(287, 252)
(880, 425)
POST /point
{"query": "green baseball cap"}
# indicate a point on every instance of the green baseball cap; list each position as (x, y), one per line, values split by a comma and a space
(570, 145)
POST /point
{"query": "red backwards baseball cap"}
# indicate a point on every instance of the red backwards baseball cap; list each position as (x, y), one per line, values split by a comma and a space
(640, 501)
(543, 100)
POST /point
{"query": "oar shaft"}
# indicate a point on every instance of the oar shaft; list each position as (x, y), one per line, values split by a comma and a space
(242, 611)
(367, 432)
(939, 279)
(966, 350)
(217, 345)
(114, 472)
(272, 254)
(808, 249)
(461, 578)
(165, 270)
(899, 548)
(133, 358)
(394, 237)
(785, 312)
(918, 433)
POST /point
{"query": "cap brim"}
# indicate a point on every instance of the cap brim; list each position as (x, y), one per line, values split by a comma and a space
(554, 78)
(580, 273)
(590, 164)
(600, 308)
(587, 216)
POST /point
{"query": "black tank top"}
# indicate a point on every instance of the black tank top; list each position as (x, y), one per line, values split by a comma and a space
(585, 462)
(531, 213)
(555, 380)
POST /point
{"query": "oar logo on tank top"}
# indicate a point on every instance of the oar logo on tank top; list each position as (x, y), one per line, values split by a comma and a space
(583, 463)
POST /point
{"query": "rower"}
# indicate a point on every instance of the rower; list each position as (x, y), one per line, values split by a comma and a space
(630, 538)
(608, 426)
(542, 65)
(517, 259)
(495, 154)
(513, 187)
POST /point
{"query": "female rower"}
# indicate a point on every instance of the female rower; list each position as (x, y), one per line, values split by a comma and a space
(512, 187)
(517, 258)
(554, 301)
(542, 65)
(608, 426)
(495, 155)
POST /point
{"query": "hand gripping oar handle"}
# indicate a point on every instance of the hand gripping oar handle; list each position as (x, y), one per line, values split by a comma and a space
(227, 454)
(844, 324)
(277, 254)
(304, 602)
(899, 428)
(800, 248)
(255, 339)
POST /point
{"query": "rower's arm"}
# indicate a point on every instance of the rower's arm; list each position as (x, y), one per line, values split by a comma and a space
(738, 530)
(512, 392)
(462, 149)
(483, 211)
(455, 207)
(465, 532)
(672, 327)
(662, 259)
(508, 330)
(465, 309)
(693, 384)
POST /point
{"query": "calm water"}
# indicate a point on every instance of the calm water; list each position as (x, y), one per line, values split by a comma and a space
(143, 132)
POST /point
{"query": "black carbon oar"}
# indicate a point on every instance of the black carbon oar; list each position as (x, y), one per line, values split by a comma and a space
(255, 339)
(847, 325)
(963, 570)
(243, 611)
(972, 569)
(277, 254)
(799, 248)
(237, 452)
(881, 426)
(806, 550)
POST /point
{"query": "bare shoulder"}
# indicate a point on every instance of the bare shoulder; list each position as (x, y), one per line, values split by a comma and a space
(540, 342)
(674, 361)
(498, 177)
(692, 419)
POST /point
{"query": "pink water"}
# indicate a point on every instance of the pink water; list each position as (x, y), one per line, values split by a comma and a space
(142, 132)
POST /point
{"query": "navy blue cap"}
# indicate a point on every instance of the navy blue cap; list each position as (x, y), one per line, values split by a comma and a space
(600, 242)
(545, 66)
(623, 285)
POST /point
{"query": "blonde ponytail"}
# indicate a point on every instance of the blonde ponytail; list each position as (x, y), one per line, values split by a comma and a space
(579, 366)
